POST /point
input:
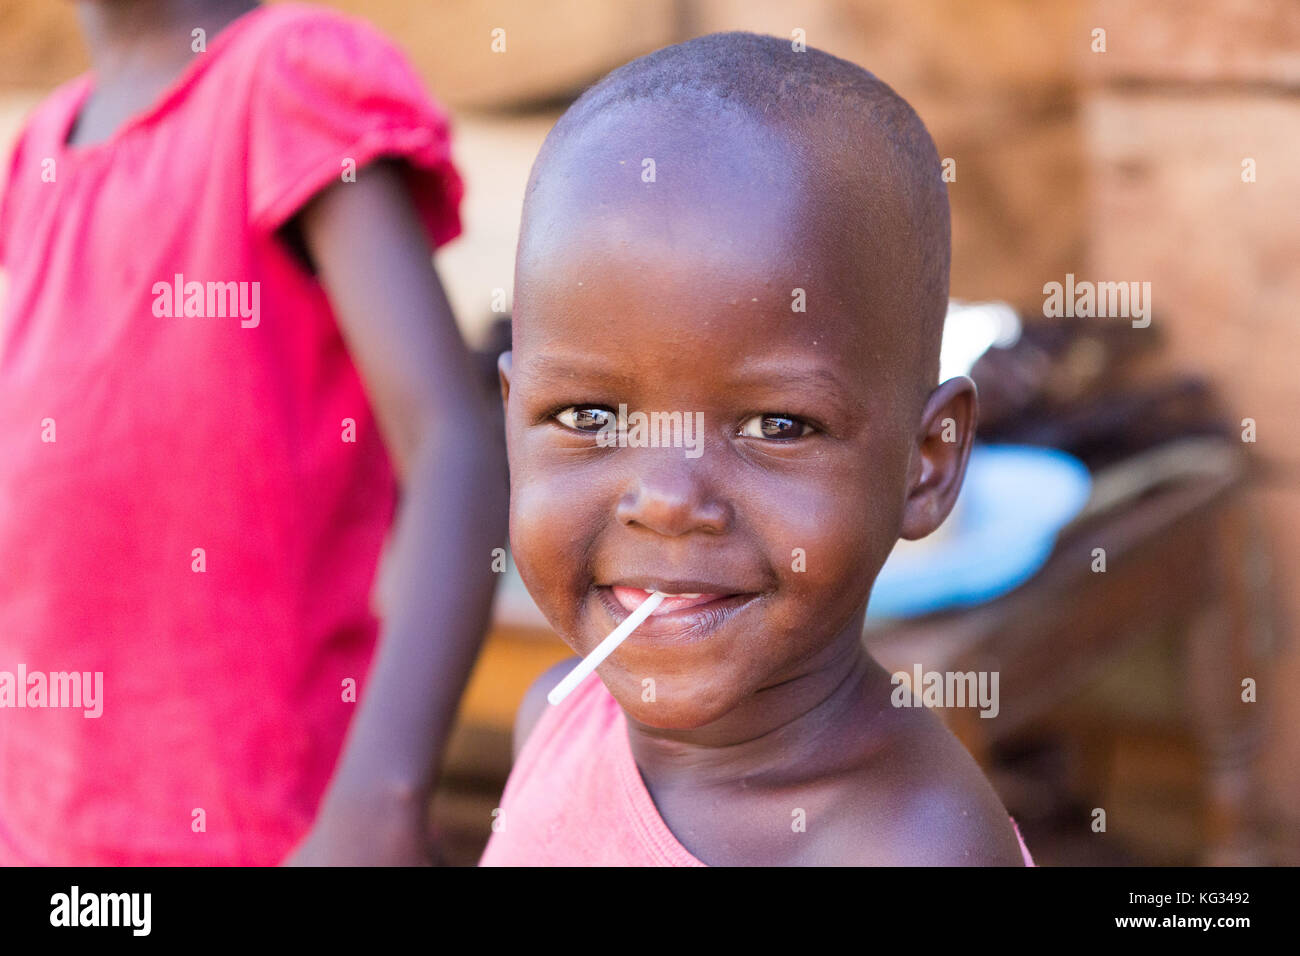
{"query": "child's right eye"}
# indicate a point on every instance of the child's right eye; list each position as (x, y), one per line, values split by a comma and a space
(775, 427)
(585, 418)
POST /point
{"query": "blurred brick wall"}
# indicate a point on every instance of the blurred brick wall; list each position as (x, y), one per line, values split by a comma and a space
(1183, 94)
(39, 46)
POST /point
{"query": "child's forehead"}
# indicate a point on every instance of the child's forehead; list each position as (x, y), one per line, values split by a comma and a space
(724, 206)
(658, 180)
(650, 157)
(665, 217)
(697, 303)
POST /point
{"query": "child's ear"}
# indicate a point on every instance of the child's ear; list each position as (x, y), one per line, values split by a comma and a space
(939, 462)
(503, 370)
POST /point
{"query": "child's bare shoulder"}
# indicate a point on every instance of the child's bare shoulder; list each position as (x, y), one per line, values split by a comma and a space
(535, 702)
(918, 799)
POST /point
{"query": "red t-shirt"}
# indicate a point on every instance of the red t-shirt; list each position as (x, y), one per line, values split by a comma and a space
(172, 378)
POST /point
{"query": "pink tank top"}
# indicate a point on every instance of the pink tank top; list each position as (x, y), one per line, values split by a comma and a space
(575, 796)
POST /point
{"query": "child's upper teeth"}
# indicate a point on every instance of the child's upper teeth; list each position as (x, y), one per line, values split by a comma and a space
(684, 595)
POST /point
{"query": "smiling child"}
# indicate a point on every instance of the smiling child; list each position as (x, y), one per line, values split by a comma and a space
(733, 228)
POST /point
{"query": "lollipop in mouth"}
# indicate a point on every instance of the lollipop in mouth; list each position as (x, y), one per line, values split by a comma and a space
(606, 647)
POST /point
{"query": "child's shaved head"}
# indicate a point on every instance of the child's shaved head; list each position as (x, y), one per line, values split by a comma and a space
(859, 151)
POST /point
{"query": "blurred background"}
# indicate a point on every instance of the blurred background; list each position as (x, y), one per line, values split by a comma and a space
(1162, 151)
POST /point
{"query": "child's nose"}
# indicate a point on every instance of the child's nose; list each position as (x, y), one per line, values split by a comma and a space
(672, 498)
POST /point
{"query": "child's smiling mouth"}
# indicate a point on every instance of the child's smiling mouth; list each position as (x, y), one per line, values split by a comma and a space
(631, 598)
(692, 611)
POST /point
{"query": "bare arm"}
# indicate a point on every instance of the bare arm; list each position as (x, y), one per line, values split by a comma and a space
(375, 264)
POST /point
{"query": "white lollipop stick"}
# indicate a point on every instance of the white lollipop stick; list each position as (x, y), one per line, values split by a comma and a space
(606, 647)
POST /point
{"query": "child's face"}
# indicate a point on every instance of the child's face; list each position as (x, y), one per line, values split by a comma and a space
(680, 295)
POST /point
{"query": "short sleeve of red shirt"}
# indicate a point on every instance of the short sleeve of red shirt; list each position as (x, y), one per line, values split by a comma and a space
(331, 96)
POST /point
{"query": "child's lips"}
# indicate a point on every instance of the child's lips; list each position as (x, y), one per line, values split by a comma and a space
(683, 618)
(631, 599)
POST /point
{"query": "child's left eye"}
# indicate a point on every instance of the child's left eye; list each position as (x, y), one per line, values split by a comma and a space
(778, 427)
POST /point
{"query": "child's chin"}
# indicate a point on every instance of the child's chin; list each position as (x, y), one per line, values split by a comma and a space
(669, 706)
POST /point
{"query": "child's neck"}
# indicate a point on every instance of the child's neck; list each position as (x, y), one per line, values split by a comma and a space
(780, 730)
(130, 39)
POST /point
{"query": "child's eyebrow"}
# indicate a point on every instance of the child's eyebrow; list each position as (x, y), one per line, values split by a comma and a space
(564, 367)
(822, 382)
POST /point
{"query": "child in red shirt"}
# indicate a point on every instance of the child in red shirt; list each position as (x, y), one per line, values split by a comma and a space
(223, 352)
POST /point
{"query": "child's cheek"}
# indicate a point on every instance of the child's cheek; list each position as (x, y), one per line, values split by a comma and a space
(828, 549)
(547, 541)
